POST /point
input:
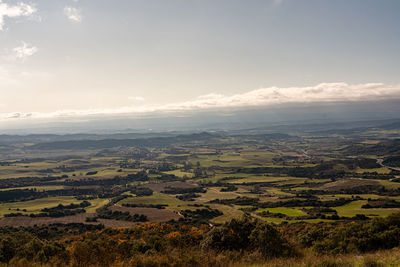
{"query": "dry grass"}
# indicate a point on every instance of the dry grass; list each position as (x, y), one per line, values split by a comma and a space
(380, 258)
(232, 259)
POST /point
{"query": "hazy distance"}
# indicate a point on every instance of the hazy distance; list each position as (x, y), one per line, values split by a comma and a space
(73, 66)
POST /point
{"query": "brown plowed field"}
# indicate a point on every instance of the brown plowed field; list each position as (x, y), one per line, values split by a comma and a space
(349, 184)
(161, 186)
(154, 215)
(79, 218)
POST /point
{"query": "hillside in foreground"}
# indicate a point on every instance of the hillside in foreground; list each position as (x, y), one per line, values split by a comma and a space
(239, 242)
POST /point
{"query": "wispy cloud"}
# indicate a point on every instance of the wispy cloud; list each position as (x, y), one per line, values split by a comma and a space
(24, 51)
(324, 92)
(73, 14)
(14, 11)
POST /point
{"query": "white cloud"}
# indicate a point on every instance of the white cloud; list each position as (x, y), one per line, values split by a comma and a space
(324, 92)
(73, 14)
(24, 51)
(14, 11)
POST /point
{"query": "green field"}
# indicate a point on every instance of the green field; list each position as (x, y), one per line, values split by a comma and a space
(180, 174)
(389, 184)
(228, 213)
(378, 170)
(213, 193)
(283, 210)
(276, 191)
(34, 206)
(353, 208)
(37, 188)
(95, 204)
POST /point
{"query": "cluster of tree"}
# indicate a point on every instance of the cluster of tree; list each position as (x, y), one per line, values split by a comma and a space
(355, 190)
(393, 161)
(319, 211)
(31, 194)
(323, 170)
(309, 216)
(229, 188)
(27, 181)
(381, 203)
(306, 203)
(142, 191)
(54, 214)
(53, 231)
(20, 195)
(277, 215)
(201, 214)
(167, 177)
(83, 204)
(179, 190)
(91, 219)
(22, 245)
(241, 201)
(121, 216)
(58, 211)
(105, 213)
(357, 237)
(140, 176)
(117, 180)
(165, 166)
(188, 196)
(248, 234)
(140, 205)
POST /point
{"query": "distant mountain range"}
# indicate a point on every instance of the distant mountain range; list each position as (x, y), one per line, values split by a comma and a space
(278, 118)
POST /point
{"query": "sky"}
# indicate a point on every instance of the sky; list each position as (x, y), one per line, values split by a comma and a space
(71, 58)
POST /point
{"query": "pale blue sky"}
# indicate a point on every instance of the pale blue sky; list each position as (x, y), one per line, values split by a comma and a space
(119, 55)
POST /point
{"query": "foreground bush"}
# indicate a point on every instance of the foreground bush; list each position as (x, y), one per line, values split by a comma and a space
(353, 237)
(248, 234)
(240, 242)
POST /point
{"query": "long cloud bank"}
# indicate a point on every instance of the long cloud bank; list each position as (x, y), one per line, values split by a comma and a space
(324, 92)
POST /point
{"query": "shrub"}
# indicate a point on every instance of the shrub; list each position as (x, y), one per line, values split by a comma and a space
(248, 234)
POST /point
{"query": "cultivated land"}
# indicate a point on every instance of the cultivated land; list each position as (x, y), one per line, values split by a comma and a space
(313, 176)
(223, 197)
